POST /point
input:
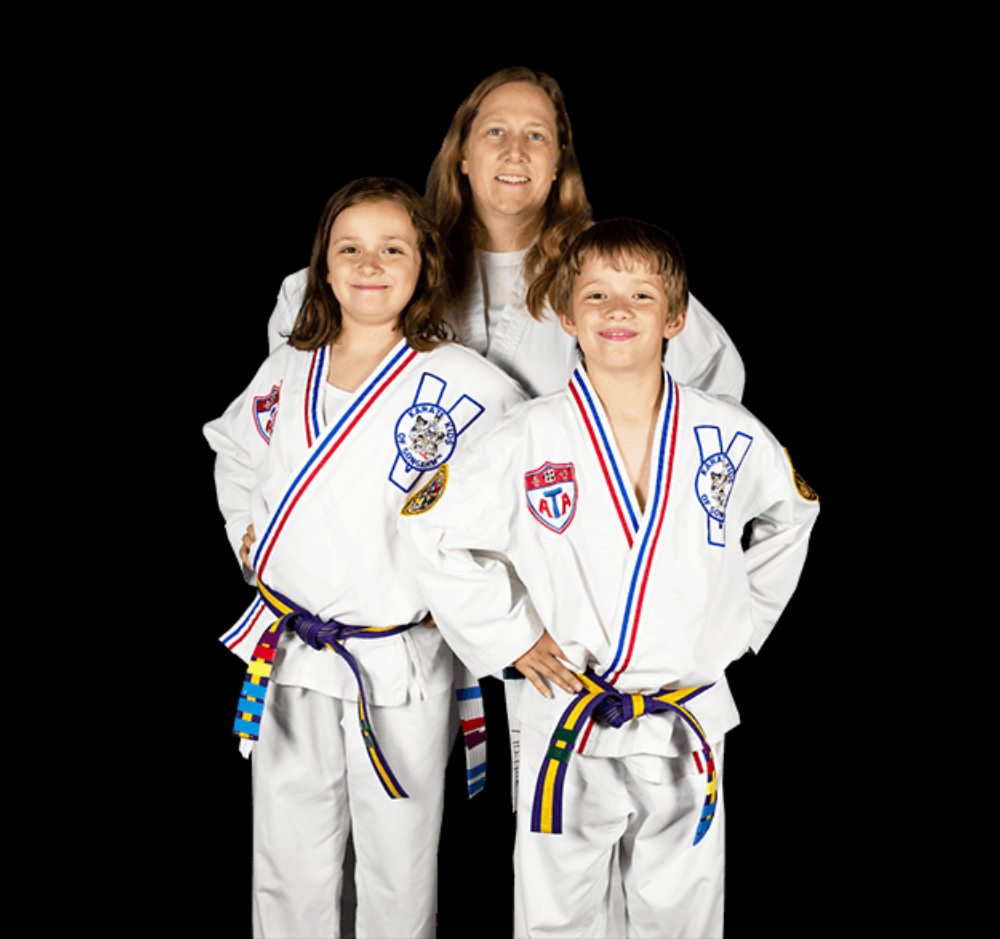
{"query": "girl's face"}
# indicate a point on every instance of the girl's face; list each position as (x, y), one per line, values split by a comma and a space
(512, 153)
(374, 261)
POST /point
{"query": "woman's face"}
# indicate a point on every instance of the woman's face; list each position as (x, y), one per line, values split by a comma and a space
(511, 156)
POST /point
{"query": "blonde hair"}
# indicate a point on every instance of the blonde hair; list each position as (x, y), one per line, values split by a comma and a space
(566, 211)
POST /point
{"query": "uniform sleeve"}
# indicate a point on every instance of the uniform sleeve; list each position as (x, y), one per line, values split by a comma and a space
(778, 545)
(235, 472)
(459, 539)
(286, 311)
(704, 356)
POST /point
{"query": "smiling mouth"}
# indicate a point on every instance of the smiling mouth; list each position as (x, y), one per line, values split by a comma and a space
(514, 180)
(617, 335)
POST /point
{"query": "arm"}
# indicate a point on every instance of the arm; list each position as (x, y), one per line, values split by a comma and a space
(235, 473)
(286, 311)
(778, 546)
(461, 542)
(704, 356)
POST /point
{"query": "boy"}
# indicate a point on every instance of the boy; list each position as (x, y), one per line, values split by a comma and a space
(620, 503)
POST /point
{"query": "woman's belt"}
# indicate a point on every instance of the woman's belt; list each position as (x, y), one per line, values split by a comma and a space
(615, 709)
(319, 634)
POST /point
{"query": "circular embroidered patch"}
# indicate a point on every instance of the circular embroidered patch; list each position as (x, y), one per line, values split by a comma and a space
(425, 436)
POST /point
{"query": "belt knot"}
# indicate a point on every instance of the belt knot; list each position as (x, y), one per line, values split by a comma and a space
(616, 709)
(603, 702)
(314, 631)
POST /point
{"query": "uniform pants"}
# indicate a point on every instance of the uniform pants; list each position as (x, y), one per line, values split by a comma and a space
(647, 807)
(314, 783)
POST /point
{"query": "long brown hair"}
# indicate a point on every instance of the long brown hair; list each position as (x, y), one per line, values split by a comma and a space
(422, 319)
(566, 213)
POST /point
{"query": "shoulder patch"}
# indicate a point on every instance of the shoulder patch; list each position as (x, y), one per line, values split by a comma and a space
(427, 496)
(265, 412)
(717, 476)
(803, 488)
(552, 495)
(426, 432)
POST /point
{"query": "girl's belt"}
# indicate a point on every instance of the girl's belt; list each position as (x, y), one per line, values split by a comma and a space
(309, 627)
(613, 708)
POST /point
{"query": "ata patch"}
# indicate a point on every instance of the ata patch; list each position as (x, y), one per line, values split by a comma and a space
(428, 496)
(804, 489)
(551, 493)
(265, 412)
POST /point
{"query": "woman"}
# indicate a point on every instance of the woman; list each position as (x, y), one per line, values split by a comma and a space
(508, 196)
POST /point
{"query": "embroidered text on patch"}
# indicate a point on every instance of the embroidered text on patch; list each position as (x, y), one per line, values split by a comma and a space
(265, 411)
(551, 493)
(426, 433)
(716, 476)
(429, 496)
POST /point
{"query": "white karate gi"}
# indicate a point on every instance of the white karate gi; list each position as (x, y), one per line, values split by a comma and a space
(324, 492)
(664, 598)
(538, 353)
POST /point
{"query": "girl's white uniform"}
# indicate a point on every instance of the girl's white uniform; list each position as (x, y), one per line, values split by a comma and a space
(322, 475)
(654, 599)
(538, 353)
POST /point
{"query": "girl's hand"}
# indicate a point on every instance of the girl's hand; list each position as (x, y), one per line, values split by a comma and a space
(248, 539)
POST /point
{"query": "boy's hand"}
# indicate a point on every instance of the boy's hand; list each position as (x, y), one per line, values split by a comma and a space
(542, 661)
(248, 539)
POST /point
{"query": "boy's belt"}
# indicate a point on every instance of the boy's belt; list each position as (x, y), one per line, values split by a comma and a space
(291, 615)
(614, 708)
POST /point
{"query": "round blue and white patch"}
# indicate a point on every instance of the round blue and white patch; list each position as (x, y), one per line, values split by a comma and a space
(425, 436)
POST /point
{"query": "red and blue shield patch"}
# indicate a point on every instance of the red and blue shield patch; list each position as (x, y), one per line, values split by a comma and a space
(551, 495)
(265, 410)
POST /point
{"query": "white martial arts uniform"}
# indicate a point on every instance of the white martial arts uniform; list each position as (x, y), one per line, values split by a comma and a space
(495, 322)
(660, 599)
(322, 475)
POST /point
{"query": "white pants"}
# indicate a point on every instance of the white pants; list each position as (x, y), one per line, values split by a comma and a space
(313, 783)
(648, 808)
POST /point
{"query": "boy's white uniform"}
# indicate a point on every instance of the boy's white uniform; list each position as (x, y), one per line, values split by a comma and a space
(538, 353)
(324, 492)
(664, 598)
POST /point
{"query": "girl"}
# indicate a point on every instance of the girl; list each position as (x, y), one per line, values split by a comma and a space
(348, 687)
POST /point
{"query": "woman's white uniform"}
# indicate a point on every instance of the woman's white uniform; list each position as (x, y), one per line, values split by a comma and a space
(322, 475)
(661, 598)
(538, 353)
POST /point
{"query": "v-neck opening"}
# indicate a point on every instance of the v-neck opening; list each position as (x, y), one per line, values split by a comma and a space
(316, 423)
(603, 438)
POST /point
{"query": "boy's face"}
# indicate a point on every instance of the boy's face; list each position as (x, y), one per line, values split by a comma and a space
(620, 317)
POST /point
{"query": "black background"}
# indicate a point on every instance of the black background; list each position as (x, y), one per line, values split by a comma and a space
(742, 154)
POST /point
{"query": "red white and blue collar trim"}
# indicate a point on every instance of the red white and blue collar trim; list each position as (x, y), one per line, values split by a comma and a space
(253, 622)
(641, 530)
(389, 371)
(314, 395)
